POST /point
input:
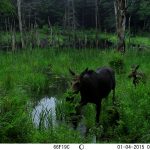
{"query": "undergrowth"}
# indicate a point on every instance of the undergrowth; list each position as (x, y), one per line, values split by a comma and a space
(28, 74)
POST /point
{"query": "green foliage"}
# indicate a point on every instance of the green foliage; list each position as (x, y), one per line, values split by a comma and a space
(34, 83)
(45, 29)
(117, 63)
(6, 6)
(29, 73)
(61, 134)
(144, 9)
(8, 82)
(84, 13)
(66, 107)
(14, 120)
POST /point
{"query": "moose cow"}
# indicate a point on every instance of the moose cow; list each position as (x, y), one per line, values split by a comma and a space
(94, 86)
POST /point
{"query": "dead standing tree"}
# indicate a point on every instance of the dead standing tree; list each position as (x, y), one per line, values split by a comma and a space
(120, 14)
(70, 21)
(97, 3)
(69, 17)
(20, 22)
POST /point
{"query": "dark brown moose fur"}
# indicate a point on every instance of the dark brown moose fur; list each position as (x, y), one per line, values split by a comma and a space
(94, 86)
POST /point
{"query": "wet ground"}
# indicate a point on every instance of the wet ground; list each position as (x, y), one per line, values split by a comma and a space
(45, 111)
(45, 114)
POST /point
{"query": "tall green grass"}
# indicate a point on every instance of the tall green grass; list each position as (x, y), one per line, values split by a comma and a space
(26, 74)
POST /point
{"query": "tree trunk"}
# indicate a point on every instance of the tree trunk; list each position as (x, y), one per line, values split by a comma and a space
(129, 30)
(97, 2)
(51, 29)
(120, 14)
(73, 17)
(69, 17)
(65, 18)
(13, 36)
(20, 22)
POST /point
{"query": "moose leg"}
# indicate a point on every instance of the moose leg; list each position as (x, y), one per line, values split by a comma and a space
(77, 116)
(98, 109)
(113, 98)
(79, 107)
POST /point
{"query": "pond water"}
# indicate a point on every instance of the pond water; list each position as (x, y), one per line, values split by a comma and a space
(50, 111)
(45, 112)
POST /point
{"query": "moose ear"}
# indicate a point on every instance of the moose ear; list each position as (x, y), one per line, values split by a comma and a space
(71, 72)
(85, 70)
(137, 66)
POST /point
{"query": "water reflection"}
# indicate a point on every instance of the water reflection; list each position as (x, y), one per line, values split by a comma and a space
(44, 115)
(45, 112)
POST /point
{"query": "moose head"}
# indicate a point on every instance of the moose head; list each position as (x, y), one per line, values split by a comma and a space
(76, 82)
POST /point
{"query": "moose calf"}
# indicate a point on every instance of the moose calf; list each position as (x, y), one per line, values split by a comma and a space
(136, 75)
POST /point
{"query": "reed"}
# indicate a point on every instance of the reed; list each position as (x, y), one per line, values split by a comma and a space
(28, 74)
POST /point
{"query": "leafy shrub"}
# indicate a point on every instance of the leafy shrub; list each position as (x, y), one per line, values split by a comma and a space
(60, 134)
(15, 123)
(45, 29)
(117, 63)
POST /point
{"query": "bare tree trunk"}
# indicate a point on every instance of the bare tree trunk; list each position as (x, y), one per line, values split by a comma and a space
(37, 42)
(69, 17)
(65, 18)
(96, 14)
(13, 41)
(120, 14)
(20, 22)
(74, 18)
(129, 29)
(13, 36)
(97, 2)
(51, 29)
(83, 14)
(29, 23)
(7, 30)
(6, 24)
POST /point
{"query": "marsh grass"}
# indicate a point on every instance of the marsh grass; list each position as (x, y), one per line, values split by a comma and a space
(27, 74)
